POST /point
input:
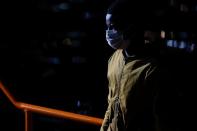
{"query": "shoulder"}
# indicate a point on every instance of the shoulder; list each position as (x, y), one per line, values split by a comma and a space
(153, 68)
(157, 75)
(115, 55)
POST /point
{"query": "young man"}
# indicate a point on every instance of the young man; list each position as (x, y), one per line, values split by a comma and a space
(132, 72)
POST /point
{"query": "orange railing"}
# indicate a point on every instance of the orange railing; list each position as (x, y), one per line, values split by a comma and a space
(29, 108)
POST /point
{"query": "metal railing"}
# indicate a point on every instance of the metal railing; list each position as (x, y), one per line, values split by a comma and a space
(29, 109)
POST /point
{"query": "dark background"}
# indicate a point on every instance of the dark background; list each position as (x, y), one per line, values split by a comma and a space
(53, 53)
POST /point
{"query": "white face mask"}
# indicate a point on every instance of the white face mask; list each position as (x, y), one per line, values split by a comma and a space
(114, 38)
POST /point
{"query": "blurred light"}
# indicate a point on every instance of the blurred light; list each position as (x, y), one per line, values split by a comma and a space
(192, 47)
(184, 8)
(64, 6)
(78, 103)
(61, 7)
(172, 2)
(72, 43)
(53, 60)
(87, 15)
(172, 35)
(163, 34)
(182, 45)
(175, 43)
(169, 43)
(67, 41)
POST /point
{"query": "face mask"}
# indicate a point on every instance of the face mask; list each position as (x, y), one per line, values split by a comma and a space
(114, 38)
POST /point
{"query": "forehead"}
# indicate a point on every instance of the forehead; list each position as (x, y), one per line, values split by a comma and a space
(108, 18)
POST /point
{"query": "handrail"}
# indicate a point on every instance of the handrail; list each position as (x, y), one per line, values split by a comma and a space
(50, 111)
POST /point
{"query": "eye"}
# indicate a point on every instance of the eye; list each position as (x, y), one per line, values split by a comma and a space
(110, 27)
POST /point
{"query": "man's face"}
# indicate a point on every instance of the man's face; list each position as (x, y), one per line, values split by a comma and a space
(114, 37)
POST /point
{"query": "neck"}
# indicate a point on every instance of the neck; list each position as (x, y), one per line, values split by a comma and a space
(128, 54)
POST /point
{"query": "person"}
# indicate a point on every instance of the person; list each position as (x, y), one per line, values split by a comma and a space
(133, 70)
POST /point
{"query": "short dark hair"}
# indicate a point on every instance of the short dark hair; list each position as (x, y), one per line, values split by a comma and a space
(130, 12)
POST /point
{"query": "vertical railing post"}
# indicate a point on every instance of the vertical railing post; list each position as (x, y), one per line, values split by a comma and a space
(28, 120)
